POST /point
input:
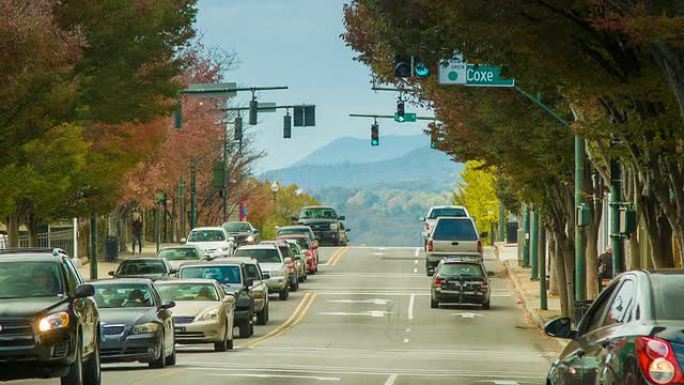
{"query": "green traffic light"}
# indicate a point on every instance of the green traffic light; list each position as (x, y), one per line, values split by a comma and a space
(421, 70)
(433, 144)
(375, 142)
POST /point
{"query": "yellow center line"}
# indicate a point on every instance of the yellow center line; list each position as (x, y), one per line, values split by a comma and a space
(296, 316)
(332, 257)
(338, 256)
(158, 376)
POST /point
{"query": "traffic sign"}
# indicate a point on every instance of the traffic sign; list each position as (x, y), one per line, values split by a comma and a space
(266, 107)
(452, 71)
(479, 75)
(408, 117)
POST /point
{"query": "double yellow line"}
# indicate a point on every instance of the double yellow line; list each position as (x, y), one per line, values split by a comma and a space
(296, 317)
(336, 256)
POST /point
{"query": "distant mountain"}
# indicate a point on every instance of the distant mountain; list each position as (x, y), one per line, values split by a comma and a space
(357, 150)
(420, 169)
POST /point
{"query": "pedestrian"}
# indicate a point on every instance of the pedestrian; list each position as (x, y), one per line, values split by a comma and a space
(136, 230)
(605, 264)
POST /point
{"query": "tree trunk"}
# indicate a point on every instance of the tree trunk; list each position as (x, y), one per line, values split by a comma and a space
(32, 225)
(553, 255)
(561, 279)
(592, 261)
(13, 230)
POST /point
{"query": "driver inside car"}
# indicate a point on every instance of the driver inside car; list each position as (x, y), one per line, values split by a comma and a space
(43, 283)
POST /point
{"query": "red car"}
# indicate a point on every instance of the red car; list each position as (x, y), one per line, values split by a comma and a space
(311, 250)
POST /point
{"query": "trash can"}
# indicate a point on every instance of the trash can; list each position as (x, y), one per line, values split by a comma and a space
(111, 248)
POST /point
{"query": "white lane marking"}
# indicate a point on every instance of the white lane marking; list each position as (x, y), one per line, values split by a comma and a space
(412, 302)
(505, 382)
(415, 270)
(379, 254)
(383, 293)
(415, 262)
(372, 313)
(371, 275)
(392, 378)
(374, 301)
(406, 340)
(468, 315)
(408, 330)
(417, 252)
(254, 375)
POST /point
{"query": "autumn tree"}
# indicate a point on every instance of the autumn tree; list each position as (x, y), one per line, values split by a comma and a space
(477, 192)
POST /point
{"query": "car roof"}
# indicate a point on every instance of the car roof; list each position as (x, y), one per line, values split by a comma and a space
(296, 227)
(261, 246)
(672, 271)
(447, 207)
(245, 260)
(286, 236)
(212, 263)
(455, 219)
(154, 259)
(103, 282)
(185, 280)
(33, 253)
(207, 228)
(31, 257)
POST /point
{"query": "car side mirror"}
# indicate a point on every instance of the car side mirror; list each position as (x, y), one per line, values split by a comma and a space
(422, 219)
(257, 231)
(560, 328)
(111, 273)
(85, 290)
(294, 218)
(341, 217)
(167, 305)
(484, 234)
(249, 282)
(184, 240)
(491, 273)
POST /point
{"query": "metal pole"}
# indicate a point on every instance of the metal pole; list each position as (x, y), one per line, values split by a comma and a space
(580, 237)
(193, 196)
(75, 238)
(534, 244)
(615, 200)
(157, 226)
(526, 240)
(225, 175)
(542, 268)
(93, 246)
(501, 237)
(181, 208)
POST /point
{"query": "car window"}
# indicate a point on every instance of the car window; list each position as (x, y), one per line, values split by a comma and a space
(460, 270)
(123, 296)
(30, 279)
(594, 317)
(253, 271)
(179, 254)
(142, 268)
(668, 295)
(454, 229)
(318, 212)
(261, 255)
(187, 292)
(237, 227)
(70, 275)
(222, 274)
(447, 212)
(206, 236)
(620, 310)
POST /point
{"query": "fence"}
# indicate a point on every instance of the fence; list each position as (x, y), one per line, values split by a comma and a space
(64, 239)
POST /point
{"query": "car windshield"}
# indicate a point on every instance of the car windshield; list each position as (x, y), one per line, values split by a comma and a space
(237, 227)
(303, 243)
(30, 279)
(293, 230)
(455, 229)
(122, 295)
(447, 212)
(261, 255)
(460, 270)
(133, 267)
(668, 295)
(206, 236)
(179, 254)
(222, 274)
(178, 291)
(318, 212)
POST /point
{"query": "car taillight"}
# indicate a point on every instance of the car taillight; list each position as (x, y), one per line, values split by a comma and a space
(429, 245)
(479, 247)
(437, 282)
(657, 360)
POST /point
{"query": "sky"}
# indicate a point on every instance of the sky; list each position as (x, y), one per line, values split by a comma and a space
(296, 43)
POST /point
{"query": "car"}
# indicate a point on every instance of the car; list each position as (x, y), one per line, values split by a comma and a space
(288, 252)
(309, 249)
(273, 265)
(135, 324)
(146, 267)
(300, 229)
(302, 268)
(49, 320)
(633, 333)
(461, 281)
(214, 241)
(178, 255)
(440, 211)
(326, 224)
(232, 278)
(203, 312)
(452, 236)
(258, 288)
(243, 232)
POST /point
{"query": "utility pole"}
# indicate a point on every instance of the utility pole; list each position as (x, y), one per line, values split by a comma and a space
(534, 244)
(157, 225)
(501, 237)
(543, 305)
(193, 194)
(615, 203)
(580, 238)
(181, 202)
(526, 241)
(93, 245)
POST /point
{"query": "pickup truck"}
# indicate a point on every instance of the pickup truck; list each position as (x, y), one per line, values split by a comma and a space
(452, 236)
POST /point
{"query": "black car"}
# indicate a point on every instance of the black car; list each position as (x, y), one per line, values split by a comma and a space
(460, 280)
(242, 232)
(232, 277)
(632, 334)
(326, 224)
(135, 324)
(151, 268)
(49, 323)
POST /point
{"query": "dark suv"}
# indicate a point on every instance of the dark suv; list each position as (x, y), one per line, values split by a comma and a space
(460, 280)
(326, 224)
(49, 323)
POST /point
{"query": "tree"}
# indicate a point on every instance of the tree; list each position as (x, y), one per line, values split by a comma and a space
(478, 194)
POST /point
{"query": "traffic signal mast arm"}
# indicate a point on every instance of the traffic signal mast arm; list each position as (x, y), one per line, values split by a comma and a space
(266, 108)
(430, 118)
(221, 88)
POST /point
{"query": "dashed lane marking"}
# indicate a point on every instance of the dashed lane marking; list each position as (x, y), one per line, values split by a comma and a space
(294, 376)
(412, 302)
(417, 252)
(392, 378)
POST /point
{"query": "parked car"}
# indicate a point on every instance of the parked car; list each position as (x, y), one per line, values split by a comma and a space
(437, 212)
(299, 229)
(149, 267)
(633, 333)
(309, 249)
(136, 324)
(232, 278)
(258, 288)
(452, 236)
(302, 268)
(178, 255)
(295, 260)
(273, 266)
(243, 232)
(214, 241)
(203, 312)
(49, 318)
(326, 224)
(460, 280)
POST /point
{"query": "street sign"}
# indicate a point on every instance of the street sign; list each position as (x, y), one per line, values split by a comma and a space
(266, 107)
(212, 90)
(486, 76)
(452, 71)
(408, 117)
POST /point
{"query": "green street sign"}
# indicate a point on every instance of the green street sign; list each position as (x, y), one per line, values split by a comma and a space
(408, 117)
(486, 76)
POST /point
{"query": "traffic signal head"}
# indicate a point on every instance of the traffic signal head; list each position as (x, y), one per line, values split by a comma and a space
(402, 66)
(375, 134)
(253, 106)
(237, 131)
(400, 111)
(434, 136)
(421, 70)
(287, 126)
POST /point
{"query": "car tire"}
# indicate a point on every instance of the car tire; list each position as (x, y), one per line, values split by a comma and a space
(262, 316)
(75, 375)
(246, 328)
(171, 359)
(91, 373)
(283, 294)
(434, 304)
(294, 286)
(486, 305)
(230, 345)
(301, 278)
(222, 346)
(160, 363)
(430, 271)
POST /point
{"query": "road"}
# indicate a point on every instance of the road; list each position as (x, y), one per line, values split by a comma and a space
(366, 319)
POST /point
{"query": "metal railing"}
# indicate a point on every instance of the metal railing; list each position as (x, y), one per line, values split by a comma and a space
(63, 239)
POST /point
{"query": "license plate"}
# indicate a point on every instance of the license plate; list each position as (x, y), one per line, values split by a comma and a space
(180, 329)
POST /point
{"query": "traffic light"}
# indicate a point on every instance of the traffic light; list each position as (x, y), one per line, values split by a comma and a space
(304, 116)
(402, 66)
(237, 131)
(420, 69)
(434, 137)
(253, 106)
(287, 126)
(375, 134)
(400, 111)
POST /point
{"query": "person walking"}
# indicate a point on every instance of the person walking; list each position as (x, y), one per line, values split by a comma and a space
(137, 230)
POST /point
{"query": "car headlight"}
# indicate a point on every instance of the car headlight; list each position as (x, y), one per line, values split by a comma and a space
(208, 315)
(54, 321)
(250, 239)
(333, 226)
(147, 328)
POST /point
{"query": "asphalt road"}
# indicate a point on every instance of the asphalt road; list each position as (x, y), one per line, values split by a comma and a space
(366, 319)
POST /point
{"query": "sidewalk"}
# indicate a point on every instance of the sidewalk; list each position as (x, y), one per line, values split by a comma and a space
(104, 267)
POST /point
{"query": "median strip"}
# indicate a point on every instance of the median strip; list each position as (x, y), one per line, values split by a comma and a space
(336, 256)
(291, 322)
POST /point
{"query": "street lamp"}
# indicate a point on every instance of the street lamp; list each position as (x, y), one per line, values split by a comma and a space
(274, 189)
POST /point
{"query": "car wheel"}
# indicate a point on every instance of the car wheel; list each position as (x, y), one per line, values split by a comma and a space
(171, 359)
(262, 316)
(246, 328)
(434, 303)
(75, 375)
(230, 345)
(301, 278)
(294, 286)
(92, 374)
(283, 294)
(160, 363)
(429, 270)
(485, 305)
(222, 346)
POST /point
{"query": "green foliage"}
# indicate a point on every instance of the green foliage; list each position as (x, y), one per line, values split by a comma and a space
(478, 194)
(287, 201)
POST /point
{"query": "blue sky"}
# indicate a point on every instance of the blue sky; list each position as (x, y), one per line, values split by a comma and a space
(296, 43)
